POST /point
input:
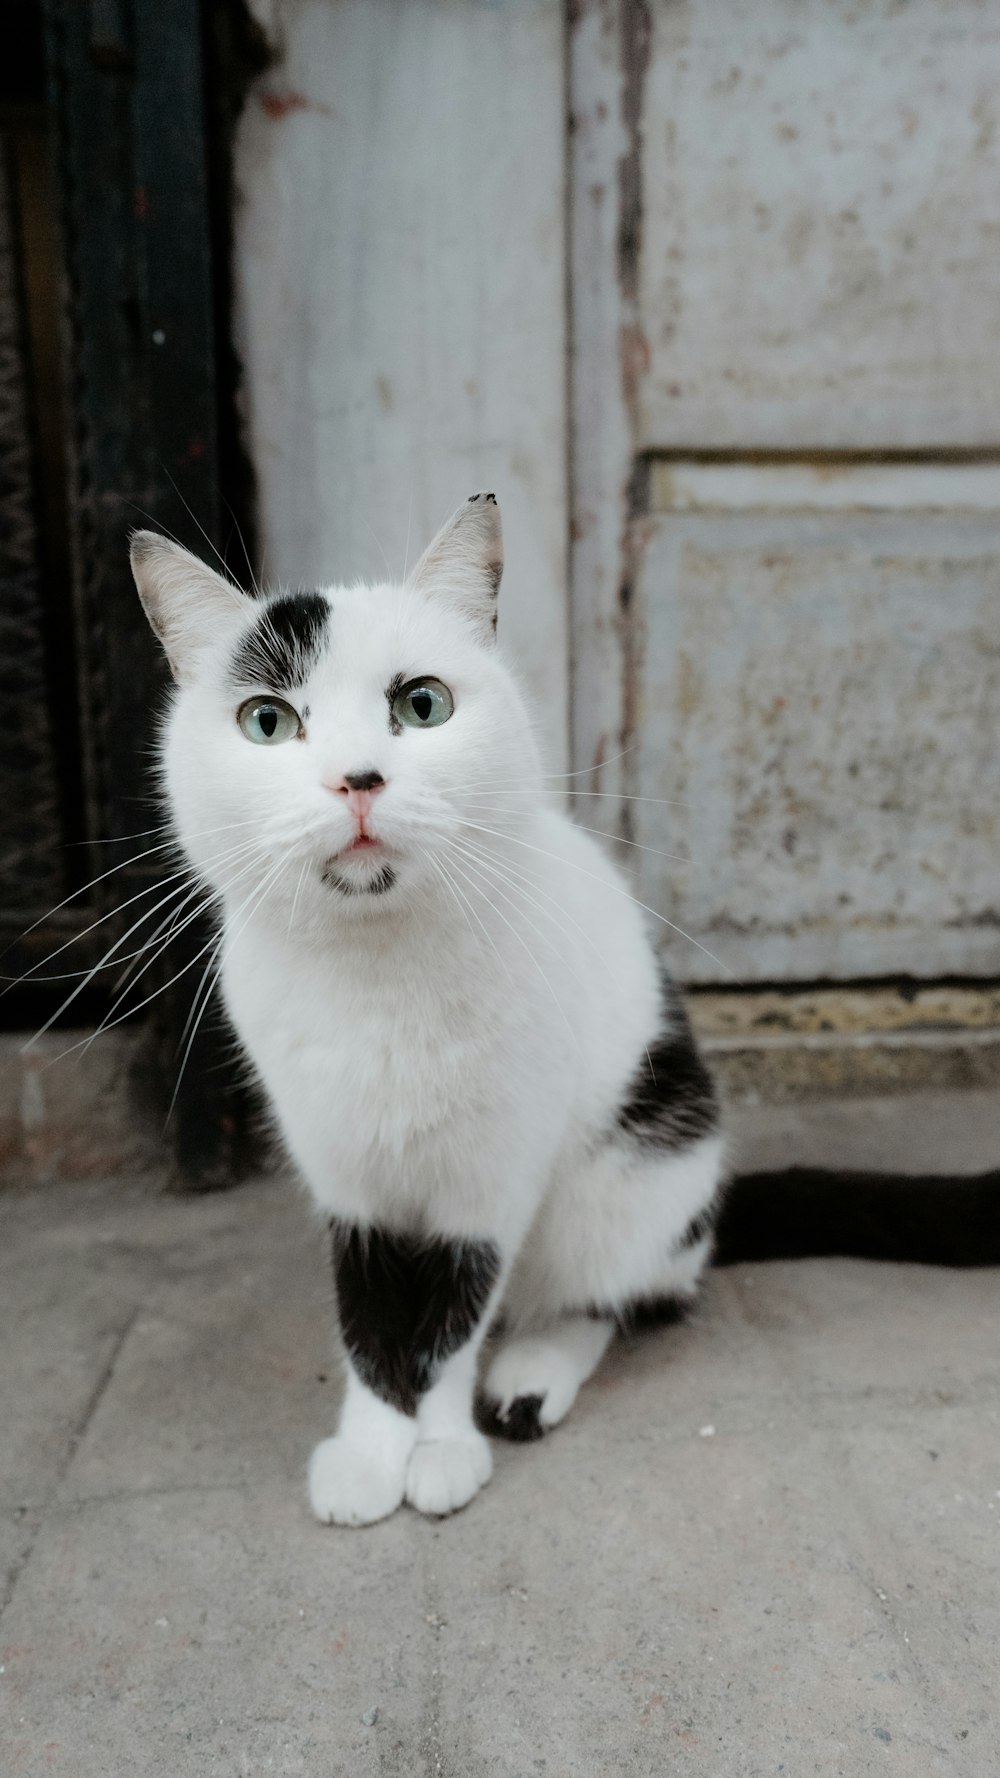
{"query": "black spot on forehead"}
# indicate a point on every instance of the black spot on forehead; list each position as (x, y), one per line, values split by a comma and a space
(285, 642)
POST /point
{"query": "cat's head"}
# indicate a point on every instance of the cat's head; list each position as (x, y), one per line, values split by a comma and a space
(352, 745)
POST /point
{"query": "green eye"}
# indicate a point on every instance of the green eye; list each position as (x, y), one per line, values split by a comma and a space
(268, 721)
(423, 703)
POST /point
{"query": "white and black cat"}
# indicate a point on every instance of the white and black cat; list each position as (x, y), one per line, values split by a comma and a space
(450, 999)
(447, 993)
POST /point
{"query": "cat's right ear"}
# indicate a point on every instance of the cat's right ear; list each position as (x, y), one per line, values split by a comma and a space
(463, 565)
(189, 606)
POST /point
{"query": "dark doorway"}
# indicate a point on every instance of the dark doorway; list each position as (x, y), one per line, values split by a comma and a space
(116, 411)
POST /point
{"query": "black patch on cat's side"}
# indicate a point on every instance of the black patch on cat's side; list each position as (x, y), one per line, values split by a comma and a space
(647, 1312)
(810, 1212)
(643, 1312)
(521, 1424)
(383, 880)
(284, 644)
(699, 1226)
(406, 1303)
(671, 1100)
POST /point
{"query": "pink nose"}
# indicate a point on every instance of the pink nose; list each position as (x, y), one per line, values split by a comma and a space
(359, 790)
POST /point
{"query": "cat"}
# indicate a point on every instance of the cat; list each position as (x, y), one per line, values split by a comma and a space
(452, 1002)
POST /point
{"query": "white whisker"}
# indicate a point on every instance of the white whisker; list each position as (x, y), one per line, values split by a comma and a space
(173, 934)
(618, 889)
(225, 575)
(110, 1025)
(526, 947)
(267, 884)
(674, 857)
(440, 867)
(497, 876)
(295, 897)
(518, 878)
(137, 858)
(147, 914)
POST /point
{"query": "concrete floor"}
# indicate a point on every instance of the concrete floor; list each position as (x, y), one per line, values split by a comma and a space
(766, 1542)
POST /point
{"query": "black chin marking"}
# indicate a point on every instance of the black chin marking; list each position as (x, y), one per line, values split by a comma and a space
(285, 642)
(406, 1303)
(378, 884)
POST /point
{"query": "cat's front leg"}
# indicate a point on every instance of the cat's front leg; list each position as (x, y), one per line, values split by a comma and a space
(451, 1459)
(412, 1313)
(358, 1476)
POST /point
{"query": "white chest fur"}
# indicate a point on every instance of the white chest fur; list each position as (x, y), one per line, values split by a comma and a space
(415, 1078)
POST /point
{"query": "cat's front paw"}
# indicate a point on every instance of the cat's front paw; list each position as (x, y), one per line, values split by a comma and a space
(352, 1486)
(444, 1473)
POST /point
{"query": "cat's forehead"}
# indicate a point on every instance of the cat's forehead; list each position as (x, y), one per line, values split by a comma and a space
(348, 631)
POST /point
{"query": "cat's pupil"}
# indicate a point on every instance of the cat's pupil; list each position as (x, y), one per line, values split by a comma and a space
(423, 704)
(268, 720)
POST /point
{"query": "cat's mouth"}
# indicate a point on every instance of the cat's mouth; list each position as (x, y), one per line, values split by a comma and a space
(363, 846)
(361, 867)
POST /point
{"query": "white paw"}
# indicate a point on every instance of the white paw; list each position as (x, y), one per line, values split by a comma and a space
(537, 1370)
(445, 1473)
(351, 1486)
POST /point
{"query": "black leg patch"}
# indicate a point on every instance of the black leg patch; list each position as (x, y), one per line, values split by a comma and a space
(671, 1100)
(285, 642)
(406, 1304)
(521, 1424)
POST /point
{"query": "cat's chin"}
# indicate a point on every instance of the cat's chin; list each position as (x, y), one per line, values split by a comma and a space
(360, 872)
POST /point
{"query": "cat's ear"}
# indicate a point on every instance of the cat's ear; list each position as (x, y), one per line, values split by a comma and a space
(463, 565)
(189, 606)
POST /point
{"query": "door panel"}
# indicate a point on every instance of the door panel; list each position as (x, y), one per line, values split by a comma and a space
(821, 233)
(818, 696)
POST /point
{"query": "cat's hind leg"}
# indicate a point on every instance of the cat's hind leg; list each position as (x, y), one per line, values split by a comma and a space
(621, 1241)
(533, 1381)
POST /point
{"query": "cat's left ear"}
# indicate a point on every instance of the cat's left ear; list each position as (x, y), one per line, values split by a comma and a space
(463, 565)
(189, 606)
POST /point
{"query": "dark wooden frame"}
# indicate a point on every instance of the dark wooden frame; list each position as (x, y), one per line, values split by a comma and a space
(145, 246)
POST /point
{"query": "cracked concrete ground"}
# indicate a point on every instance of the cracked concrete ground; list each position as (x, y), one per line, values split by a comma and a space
(765, 1542)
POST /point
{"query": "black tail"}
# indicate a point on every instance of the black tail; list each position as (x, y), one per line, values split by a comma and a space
(807, 1212)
